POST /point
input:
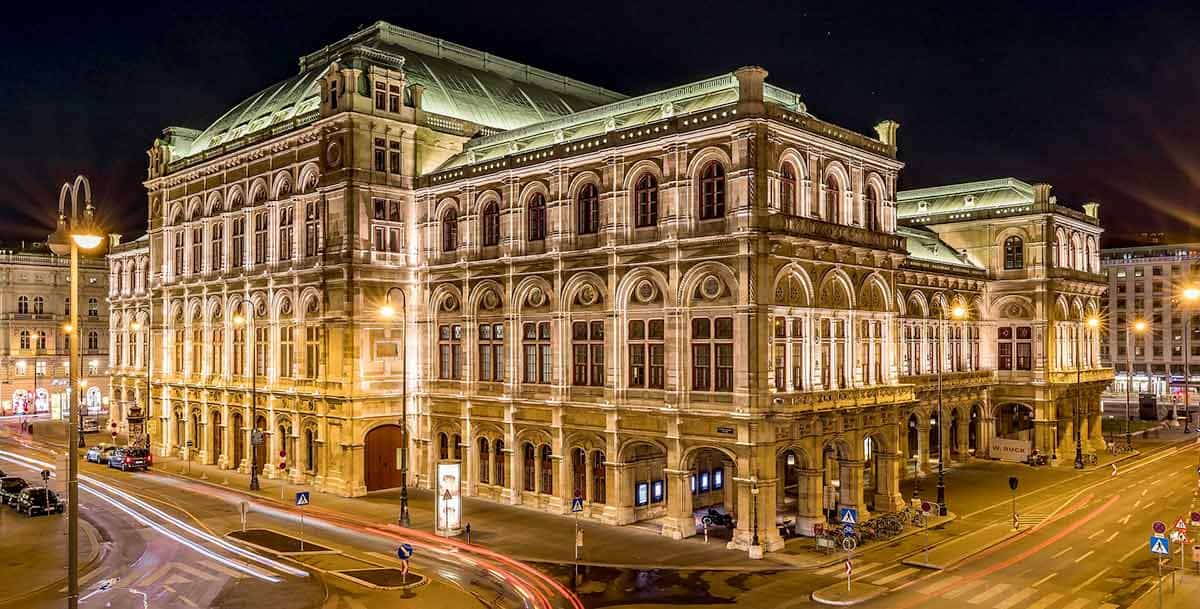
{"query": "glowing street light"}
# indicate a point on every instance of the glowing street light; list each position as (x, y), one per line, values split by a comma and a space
(1191, 296)
(1138, 327)
(957, 312)
(1092, 322)
(388, 311)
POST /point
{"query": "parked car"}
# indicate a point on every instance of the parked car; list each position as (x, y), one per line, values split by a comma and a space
(35, 500)
(10, 487)
(99, 453)
(126, 459)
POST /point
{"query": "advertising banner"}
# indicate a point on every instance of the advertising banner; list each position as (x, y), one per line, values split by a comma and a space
(449, 498)
(1011, 450)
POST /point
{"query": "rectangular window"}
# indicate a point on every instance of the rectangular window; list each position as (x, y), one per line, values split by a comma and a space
(286, 351)
(380, 95)
(260, 237)
(287, 217)
(311, 228)
(587, 347)
(312, 351)
(179, 270)
(393, 98)
(197, 249)
(450, 351)
(217, 247)
(394, 157)
(380, 154)
(197, 350)
(239, 351)
(491, 352)
(239, 242)
(536, 347)
(647, 353)
(177, 360)
(712, 354)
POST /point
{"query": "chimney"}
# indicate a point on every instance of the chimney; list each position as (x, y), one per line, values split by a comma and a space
(1041, 193)
(887, 132)
(750, 89)
(1092, 209)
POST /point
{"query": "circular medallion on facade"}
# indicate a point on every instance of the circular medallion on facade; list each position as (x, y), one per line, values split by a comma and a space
(710, 287)
(490, 300)
(645, 291)
(450, 304)
(587, 295)
(536, 298)
(333, 154)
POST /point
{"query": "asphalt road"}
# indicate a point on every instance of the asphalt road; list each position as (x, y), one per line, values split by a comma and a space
(167, 546)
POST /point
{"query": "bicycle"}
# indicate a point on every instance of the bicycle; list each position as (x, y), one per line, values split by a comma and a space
(1090, 459)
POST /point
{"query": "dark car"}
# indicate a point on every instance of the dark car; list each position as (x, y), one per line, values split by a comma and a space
(10, 487)
(126, 459)
(35, 500)
(99, 453)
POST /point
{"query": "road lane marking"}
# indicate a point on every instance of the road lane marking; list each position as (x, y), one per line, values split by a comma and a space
(1089, 553)
(189, 602)
(982, 597)
(1015, 599)
(876, 569)
(1144, 491)
(1061, 552)
(1131, 553)
(1045, 601)
(1125, 520)
(895, 576)
(1100, 532)
(1043, 580)
(1136, 504)
(1090, 580)
(1112, 537)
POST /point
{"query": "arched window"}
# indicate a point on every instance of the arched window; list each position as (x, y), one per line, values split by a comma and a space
(39, 305)
(490, 219)
(41, 340)
(787, 190)
(93, 340)
(500, 458)
(871, 210)
(22, 304)
(443, 446)
(450, 231)
(529, 482)
(547, 487)
(24, 339)
(589, 210)
(536, 217)
(484, 467)
(1014, 253)
(645, 194)
(310, 451)
(833, 200)
(712, 191)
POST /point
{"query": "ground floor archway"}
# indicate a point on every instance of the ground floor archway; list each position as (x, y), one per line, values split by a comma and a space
(382, 457)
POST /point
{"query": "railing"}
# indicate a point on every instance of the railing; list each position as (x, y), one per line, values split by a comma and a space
(808, 401)
(1091, 375)
(928, 382)
(801, 226)
(1066, 273)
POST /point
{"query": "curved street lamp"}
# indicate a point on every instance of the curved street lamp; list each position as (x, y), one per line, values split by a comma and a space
(388, 311)
(1191, 296)
(255, 435)
(74, 232)
(1139, 326)
(1093, 323)
(958, 312)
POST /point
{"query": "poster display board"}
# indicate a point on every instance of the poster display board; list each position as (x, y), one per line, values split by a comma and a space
(449, 498)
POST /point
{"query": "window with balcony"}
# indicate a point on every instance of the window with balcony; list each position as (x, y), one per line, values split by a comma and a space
(39, 305)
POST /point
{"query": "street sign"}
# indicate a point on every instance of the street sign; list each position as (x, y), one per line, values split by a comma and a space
(301, 498)
(848, 515)
(1160, 545)
(45, 475)
(577, 504)
(404, 552)
(848, 529)
(242, 506)
(1159, 527)
(1177, 536)
(256, 437)
(1181, 525)
(1196, 519)
(926, 506)
(1012, 482)
(189, 443)
(114, 434)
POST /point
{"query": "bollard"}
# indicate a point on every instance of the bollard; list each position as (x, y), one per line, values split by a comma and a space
(467, 530)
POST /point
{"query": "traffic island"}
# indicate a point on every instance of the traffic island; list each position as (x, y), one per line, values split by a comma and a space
(278, 543)
(385, 578)
(841, 595)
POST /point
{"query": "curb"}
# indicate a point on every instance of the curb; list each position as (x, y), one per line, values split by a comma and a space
(871, 592)
(99, 553)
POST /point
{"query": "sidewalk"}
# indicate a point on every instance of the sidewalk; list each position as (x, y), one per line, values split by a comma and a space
(1177, 592)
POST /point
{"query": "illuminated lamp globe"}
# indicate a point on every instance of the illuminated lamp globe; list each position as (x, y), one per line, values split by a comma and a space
(387, 311)
(1092, 322)
(959, 312)
(1191, 293)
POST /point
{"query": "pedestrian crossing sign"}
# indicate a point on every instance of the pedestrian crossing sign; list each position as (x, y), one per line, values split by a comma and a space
(1160, 545)
(302, 498)
(577, 504)
(848, 515)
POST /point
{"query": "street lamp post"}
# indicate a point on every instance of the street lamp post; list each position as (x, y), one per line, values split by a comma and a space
(1092, 322)
(73, 233)
(248, 322)
(387, 311)
(137, 327)
(1138, 326)
(958, 312)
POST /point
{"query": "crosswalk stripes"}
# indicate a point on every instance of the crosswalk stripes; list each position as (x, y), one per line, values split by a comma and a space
(982, 597)
(963, 589)
(940, 584)
(1078, 603)
(1015, 599)
(1046, 601)
(895, 576)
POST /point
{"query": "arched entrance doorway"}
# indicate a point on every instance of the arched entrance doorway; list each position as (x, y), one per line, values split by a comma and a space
(832, 456)
(260, 452)
(197, 439)
(871, 470)
(382, 457)
(973, 427)
(238, 430)
(914, 438)
(1014, 422)
(217, 448)
(179, 431)
(935, 439)
(644, 468)
(710, 480)
(954, 433)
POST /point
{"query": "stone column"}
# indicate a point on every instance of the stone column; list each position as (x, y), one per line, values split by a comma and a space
(808, 501)
(679, 521)
(747, 501)
(923, 447)
(622, 497)
(850, 472)
(1066, 439)
(887, 489)
(511, 493)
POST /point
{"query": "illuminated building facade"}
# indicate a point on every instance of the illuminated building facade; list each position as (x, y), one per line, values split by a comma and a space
(700, 297)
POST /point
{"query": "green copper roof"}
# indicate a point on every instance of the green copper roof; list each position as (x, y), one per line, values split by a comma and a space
(925, 245)
(985, 194)
(459, 82)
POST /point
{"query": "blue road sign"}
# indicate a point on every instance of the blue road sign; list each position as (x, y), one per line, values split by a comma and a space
(848, 515)
(577, 504)
(848, 529)
(404, 552)
(1160, 545)
(302, 498)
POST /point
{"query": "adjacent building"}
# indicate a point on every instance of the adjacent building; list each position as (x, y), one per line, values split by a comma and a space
(1146, 283)
(705, 296)
(35, 322)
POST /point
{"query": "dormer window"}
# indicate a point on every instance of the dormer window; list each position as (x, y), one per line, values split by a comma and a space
(380, 95)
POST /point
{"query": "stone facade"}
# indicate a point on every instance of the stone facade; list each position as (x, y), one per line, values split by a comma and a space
(702, 297)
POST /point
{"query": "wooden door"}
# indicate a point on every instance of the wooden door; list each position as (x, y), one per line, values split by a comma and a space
(382, 467)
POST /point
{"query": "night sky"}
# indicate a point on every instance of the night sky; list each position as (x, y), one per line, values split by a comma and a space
(1098, 98)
